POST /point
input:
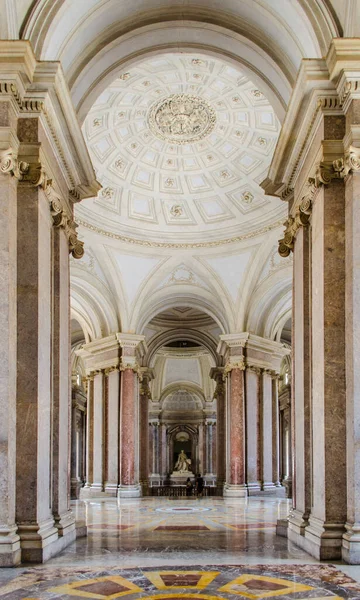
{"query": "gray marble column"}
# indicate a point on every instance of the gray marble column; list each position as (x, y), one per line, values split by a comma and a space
(61, 385)
(98, 432)
(267, 482)
(163, 450)
(351, 539)
(275, 431)
(112, 407)
(253, 429)
(9, 540)
(201, 467)
(209, 446)
(89, 431)
(327, 519)
(301, 388)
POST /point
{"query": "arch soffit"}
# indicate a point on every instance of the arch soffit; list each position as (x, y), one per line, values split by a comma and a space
(273, 25)
(166, 299)
(267, 300)
(172, 335)
(90, 298)
(187, 386)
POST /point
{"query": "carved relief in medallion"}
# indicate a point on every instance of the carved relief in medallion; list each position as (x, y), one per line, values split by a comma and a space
(181, 118)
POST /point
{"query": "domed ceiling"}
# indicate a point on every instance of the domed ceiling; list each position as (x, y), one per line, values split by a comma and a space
(180, 144)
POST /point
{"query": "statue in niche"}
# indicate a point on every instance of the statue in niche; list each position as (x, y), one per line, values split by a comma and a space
(182, 463)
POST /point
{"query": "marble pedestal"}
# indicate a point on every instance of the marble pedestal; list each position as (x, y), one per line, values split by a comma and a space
(129, 491)
(235, 491)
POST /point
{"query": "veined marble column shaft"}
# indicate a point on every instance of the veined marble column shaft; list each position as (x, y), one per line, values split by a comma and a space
(275, 431)
(61, 414)
(327, 519)
(163, 446)
(34, 358)
(9, 540)
(112, 377)
(252, 376)
(145, 376)
(90, 431)
(351, 539)
(266, 428)
(235, 486)
(98, 432)
(301, 405)
(216, 373)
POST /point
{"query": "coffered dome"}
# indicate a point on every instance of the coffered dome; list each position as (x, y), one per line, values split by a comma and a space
(180, 144)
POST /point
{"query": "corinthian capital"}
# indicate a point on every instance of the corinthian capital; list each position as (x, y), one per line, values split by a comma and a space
(350, 162)
(10, 165)
(76, 247)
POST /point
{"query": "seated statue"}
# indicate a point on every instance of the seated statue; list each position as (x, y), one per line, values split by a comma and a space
(182, 463)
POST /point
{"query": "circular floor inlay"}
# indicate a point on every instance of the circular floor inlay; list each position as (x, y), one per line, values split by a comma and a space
(182, 509)
(181, 118)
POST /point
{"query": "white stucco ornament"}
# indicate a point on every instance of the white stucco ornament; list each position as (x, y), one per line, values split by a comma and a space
(181, 118)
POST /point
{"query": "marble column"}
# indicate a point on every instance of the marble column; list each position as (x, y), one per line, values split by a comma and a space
(156, 448)
(301, 388)
(151, 448)
(267, 482)
(112, 409)
(163, 450)
(217, 373)
(351, 538)
(275, 430)
(253, 442)
(129, 417)
(9, 540)
(76, 449)
(34, 502)
(98, 432)
(209, 447)
(327, 519)
(145, 376)
(61, 384)
(89, 431)
(201, 467)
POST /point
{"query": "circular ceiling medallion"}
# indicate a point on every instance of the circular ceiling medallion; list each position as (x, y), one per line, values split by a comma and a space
(181, 118)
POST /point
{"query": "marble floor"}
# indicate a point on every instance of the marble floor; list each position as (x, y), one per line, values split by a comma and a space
(204, 549)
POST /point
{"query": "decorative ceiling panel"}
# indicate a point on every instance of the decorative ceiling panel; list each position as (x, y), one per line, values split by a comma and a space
(171, 134)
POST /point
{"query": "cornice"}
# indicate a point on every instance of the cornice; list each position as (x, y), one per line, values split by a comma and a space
(40, 87)
(153, 244)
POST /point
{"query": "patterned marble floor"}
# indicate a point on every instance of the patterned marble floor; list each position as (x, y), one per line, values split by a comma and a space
(160, 549)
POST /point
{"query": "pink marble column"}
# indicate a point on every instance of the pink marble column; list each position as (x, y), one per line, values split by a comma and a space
(266, 429)
(112, 406)
(9, 540)
(235, 485)
(129, 486)
(252, 376)
(213, 465)
(151, 448)
(61, 414)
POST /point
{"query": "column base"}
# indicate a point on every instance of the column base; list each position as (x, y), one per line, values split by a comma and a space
(39, 542)
(351, 544)
(253, 488)
(10, 551)
(129, 491)
(282, 527)
(235, 491)
(297, 522)
(65, 523)
(75, 487)
(323, 540)
(111, 489)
